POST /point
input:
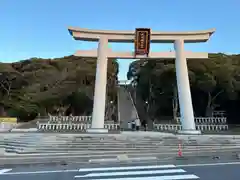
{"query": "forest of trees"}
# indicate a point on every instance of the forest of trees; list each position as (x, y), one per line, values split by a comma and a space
(215, 85)
(66, 85)
(51, 86)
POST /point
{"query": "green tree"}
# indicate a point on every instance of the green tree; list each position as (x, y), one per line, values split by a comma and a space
(52, 85)
(215, 80)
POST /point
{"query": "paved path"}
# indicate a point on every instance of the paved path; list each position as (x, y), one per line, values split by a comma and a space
(219, 171)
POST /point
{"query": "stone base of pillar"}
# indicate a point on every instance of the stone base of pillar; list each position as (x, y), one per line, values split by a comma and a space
(190, 132)
(97, 130)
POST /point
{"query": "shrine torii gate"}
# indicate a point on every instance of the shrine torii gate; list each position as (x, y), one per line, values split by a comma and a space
(102, 53)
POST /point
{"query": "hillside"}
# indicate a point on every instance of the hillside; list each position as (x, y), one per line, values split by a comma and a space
(215, 85)
(57, 86)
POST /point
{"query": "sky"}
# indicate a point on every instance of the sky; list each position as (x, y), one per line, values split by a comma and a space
(38, 28)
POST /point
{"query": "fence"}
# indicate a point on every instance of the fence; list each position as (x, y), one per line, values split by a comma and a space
(53, 119)
(209, 120)
(73, 127)
(176, 127)
(81, 123)
(202, 124)
(69, 119)
(88, 119)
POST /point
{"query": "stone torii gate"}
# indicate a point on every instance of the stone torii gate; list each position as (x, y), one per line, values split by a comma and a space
(103, 52)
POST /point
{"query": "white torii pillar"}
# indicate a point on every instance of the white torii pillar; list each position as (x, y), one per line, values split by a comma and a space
(99, 104)
(184, 93)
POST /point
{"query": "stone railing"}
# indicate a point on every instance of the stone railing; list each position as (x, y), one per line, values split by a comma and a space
(53, 119)
(176, 127)
(209, 120)
(81, 123)
(72, 127)
(69, 119)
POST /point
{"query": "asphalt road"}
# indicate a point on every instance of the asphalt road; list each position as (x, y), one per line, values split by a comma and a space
(219, 171)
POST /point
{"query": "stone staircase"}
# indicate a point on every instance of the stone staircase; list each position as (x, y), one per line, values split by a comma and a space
(100, 146)
(126, 107)
(20, 143)
(40, 143)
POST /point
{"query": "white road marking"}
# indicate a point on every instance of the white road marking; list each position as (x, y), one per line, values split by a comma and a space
(40, 172)
(173, 177)
(2, 171)
(209, 164)
(165, 171)
(126, 168)
(160, 172)
(77, 170)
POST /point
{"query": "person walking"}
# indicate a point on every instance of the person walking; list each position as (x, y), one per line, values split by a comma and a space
(133, 125)
(138, 124)
(129, 125)
(144, 123)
